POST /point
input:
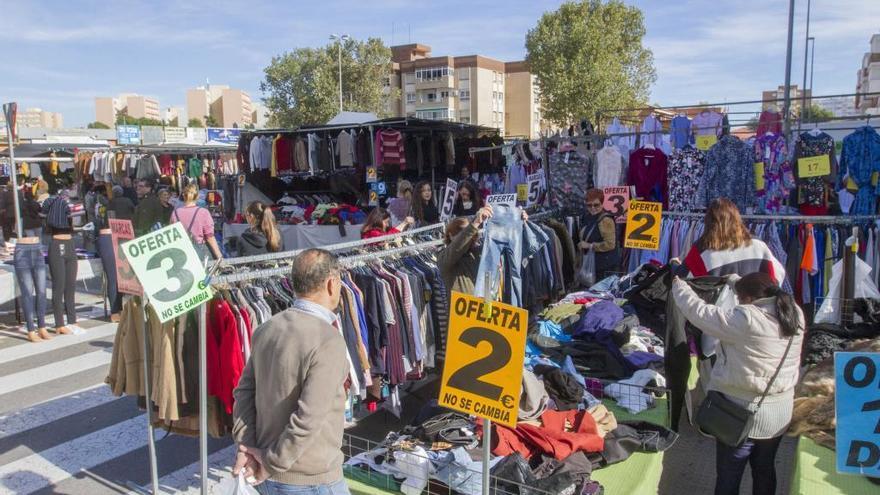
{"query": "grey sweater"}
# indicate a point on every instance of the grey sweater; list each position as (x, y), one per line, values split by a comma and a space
(290, 400)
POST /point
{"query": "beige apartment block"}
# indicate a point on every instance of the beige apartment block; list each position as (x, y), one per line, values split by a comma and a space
(134, 105)
(868, 80)
(469, 89)
(228, 106)
(797, 95)
(37, 117)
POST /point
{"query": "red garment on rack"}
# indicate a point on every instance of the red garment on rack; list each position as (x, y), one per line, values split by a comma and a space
(389, 148)
(224, 355)
(166, 165)
(769, 122)
(550, 439)
(284, 155)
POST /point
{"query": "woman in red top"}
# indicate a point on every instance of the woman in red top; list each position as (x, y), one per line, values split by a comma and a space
(378, 224)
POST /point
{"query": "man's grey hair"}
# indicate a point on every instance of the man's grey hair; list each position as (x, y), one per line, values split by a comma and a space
(311, 268)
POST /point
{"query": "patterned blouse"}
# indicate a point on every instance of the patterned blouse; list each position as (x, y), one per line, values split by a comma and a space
(686, 167)
(771, 150)
(812, 190)
(729, 173)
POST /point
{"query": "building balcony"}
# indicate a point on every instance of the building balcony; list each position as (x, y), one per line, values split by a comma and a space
(442, 82)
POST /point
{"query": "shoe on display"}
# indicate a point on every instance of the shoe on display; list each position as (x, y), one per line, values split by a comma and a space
(44, 334)
(34, 337)
(62, 331)
(115, 318)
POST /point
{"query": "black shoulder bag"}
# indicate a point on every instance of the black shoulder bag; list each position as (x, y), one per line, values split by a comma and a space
(728, 421)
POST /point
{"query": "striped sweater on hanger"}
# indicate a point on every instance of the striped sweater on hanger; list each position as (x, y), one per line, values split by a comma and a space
(755, 257)
(389, 149)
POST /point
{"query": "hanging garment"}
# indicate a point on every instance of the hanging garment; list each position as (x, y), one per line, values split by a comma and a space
(813, 192)
(778, 177)
(730, 173)
(680, 132)
(860, 161)
(647, 172)
(686, 166)
(610, 167)
(707, 123)
(769, 121)
(652, 131)
(390, 148)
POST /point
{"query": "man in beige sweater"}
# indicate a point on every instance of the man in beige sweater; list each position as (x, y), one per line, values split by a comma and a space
(289, 409)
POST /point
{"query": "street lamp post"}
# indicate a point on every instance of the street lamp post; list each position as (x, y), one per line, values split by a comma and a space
(340, 39)
(806, 52)
(812, 62)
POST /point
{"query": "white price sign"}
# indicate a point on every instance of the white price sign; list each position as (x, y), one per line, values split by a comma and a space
(502, 199)
(448, 200)
(534, 188)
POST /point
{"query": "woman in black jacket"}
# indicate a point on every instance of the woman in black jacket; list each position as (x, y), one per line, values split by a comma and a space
(263, 235)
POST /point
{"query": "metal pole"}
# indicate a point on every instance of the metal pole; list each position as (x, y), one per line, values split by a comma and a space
(804, 86)
(148, 385)
(203, 398)
(487, 454)
(812, 65)
(787, 105)
(13, 169)
(340, 75)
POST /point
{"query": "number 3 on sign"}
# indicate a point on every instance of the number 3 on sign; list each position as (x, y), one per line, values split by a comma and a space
(643, 220)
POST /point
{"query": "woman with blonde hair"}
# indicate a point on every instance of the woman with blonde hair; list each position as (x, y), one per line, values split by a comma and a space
(727, 248)
(262, 236)
(198, 223)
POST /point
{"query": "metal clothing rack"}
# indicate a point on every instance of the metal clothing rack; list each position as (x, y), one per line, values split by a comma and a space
(350, 261)
(333, 247)
(843, 219)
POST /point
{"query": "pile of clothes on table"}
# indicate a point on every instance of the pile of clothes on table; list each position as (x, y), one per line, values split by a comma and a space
(813, 414)
(587, 357)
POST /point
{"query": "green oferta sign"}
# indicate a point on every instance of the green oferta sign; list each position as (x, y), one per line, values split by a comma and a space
(170, 271)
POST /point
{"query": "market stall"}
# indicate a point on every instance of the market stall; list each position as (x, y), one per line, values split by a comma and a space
(302, 236)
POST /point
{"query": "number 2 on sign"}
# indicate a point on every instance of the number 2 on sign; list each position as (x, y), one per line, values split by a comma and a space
(643, 221)
(467, 378)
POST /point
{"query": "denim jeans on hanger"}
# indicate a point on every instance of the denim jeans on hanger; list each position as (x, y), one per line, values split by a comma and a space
(30, 271)
(502, 249)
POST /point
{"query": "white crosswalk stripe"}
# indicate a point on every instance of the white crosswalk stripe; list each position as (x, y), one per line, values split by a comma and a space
(81, 440)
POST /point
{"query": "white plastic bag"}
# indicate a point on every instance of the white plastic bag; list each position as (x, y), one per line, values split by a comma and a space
(586, 277)
(234, 486)
(829, 311)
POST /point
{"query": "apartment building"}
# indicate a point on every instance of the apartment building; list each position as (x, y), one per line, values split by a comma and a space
(37, 117)
(470, 89)
(868, 79)
(227, 106)
(840, 106)
(134, 105)
(797, 98)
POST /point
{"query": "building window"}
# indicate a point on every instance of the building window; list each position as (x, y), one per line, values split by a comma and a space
(440, 114)
(433, 73)
(429, 97)
(464, 95)
(387, 82)
(410, 97)
(444, 95)
(465, 120)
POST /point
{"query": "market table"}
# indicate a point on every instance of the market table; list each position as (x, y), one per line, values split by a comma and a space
(302, 236)
(815, 473)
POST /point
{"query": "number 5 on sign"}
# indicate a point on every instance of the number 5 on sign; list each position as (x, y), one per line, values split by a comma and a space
(643, 221)
(169, 270)
(484, 359)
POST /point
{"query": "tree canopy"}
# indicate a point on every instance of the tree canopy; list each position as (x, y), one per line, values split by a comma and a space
(588, 56)
(194, 122)
(815, 113)
(302, 86)
(123, 118)
(97, 125)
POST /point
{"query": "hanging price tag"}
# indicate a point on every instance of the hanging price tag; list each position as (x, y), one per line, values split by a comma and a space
(126, 281)
(616, 202)
(371, 175)
(522, 193)
(448, 203)
(374, 198)
(534, 188)
(168, 268)
(814, 166)
(759, 176)
(706, 142)
(643, 222)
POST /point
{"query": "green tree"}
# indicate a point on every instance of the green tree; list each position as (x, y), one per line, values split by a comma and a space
(98, 125)
(175, 122)
(194, 122)
(815, 113)
(752, 124)
(210, 121)
(588, 56)
(302, 86)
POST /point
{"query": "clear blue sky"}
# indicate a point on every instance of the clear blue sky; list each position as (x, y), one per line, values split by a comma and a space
(59, 55)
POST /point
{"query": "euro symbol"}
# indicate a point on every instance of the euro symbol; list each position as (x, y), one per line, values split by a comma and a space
(507, 401)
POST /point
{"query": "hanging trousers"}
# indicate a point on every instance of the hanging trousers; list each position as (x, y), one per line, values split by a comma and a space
(62, 267)
(108, 263)
(30, 271)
